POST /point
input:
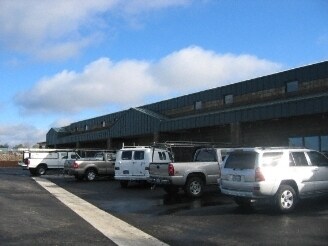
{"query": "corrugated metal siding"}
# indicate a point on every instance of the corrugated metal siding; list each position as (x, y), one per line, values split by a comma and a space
(308, 73)
(131, 122)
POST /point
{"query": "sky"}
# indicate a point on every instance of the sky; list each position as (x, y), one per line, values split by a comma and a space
(69, 60)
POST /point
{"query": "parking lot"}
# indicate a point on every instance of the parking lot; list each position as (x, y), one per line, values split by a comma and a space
(211, 220)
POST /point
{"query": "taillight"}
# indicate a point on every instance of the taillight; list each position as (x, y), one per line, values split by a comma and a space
(171, 169)
(26, 161)
(259, 175)
(75, 164)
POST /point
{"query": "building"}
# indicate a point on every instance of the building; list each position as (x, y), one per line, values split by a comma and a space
(286, 108)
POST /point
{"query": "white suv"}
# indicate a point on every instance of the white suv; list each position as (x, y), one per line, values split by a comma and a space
(284, 174)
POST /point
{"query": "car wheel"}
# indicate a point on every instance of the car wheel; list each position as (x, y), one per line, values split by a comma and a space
(91, 174)
(286, 198)
(41, 170)
(194, 187)
(124, 183)
(171, 190)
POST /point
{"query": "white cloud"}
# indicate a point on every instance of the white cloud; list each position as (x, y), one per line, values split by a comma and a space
(21, 134)
(194, 68)
(131, 82)
(60, 29)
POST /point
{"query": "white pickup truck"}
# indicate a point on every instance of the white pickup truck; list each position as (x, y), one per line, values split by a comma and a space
(38, 161)
(191, 176)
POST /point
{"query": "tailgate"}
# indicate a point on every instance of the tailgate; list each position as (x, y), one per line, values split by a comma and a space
(158, 169)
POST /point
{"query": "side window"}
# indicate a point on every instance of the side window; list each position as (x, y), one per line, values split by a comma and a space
(63, 155)
(297, 159)
(318, 159)
(126, 155)
(139, 155)
(111, 156)
(160, 155)
(164, 155)
(271, 159)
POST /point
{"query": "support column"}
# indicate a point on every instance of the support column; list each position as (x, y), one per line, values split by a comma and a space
(156, 137)
(109, 143)
(77, 145)
(235, 134)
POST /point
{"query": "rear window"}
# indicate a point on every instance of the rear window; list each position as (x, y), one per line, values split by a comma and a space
(126, 155)
(139, 155)
(241, 160)
(206, 155)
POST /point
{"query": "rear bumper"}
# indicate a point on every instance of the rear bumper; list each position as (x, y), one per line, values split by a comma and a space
(23, 165)
(159, 181)
(132, 178)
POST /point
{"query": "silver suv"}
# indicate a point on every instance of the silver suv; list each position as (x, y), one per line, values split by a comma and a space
(284, 174)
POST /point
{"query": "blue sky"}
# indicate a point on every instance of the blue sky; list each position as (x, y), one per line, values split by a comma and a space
(69, 60)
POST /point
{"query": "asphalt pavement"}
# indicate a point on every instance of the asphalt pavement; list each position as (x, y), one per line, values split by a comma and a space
(30, 215)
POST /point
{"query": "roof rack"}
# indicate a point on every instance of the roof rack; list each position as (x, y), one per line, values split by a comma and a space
(134, 147)
(191, 144)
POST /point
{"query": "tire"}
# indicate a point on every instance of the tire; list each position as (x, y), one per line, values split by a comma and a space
(171, 190)
(194, 187)
(41, 170)
(286, 198)
(124, 183)
(91, 174)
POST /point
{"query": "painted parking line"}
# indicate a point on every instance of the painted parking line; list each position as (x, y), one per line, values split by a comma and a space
(113, 228)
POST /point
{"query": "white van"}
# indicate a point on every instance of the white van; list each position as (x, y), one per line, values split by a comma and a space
(38, 161)
(132, 163)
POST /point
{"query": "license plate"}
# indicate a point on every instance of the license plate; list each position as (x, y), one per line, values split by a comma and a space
(236, 178)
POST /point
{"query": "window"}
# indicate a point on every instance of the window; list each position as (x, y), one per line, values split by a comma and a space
(162, 155)
(228, 99)
(271, 159)
(241, 160)
(126, 155)
(318, 159)
(292, 86)
(297, 159)
(111, 156)
(206, 155)
(64, 155)
(139, 155)
(198, 105)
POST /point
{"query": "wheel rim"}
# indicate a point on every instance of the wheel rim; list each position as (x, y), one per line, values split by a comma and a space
(287, 199)
(42, 170)
(195, 187)
(91, 175)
